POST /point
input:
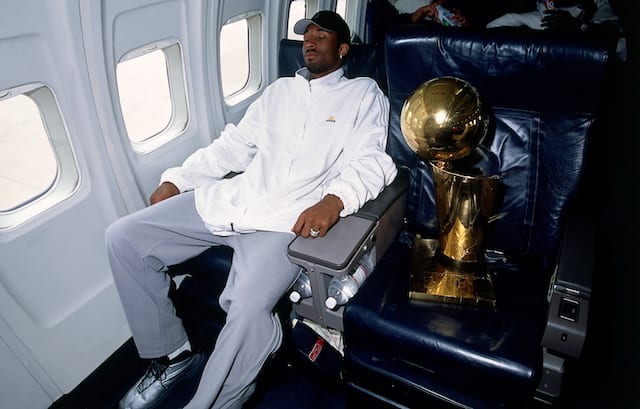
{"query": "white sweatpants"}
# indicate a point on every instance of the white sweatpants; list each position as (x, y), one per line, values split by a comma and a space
(140, 247)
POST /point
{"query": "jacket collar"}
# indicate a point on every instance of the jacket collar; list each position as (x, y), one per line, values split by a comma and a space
(327, 80)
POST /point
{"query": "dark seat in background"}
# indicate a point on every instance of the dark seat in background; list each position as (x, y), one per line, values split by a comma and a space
(545, 93)
(363, 60)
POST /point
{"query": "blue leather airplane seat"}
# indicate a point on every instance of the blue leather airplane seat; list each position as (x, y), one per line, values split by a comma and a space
(196, 297)
(545, 93)
(363, 60)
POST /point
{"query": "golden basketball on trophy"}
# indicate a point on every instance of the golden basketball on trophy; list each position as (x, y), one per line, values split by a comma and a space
(443, 119)
(444, 122)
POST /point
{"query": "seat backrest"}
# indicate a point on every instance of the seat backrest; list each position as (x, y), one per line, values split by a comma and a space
(363, 60)
(544, 94)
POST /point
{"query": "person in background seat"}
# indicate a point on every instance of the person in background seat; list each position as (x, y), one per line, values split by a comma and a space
(383, 15)
(309, 150)
(568, 16)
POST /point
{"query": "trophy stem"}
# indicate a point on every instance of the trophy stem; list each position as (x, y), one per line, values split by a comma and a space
(456, 272)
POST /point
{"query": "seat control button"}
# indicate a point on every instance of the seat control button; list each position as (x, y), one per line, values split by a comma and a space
(569, 309)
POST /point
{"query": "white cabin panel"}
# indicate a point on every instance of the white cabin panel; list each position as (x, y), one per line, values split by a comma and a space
(21, 389)
(60, 315)
(60, 310)
(118, 32)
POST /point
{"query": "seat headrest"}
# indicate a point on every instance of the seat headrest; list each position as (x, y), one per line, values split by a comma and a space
(552, 71)
(363, 60)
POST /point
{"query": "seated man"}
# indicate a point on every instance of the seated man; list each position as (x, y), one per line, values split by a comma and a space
(418, 11)
(453, 13)
(309, 150)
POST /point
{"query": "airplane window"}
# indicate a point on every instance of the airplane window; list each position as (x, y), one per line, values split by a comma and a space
(27, 161)
(341, 8)
(152, 94)
(145, 100)
(234, 56)
(297, 9)
(241, 57)
(38, 168)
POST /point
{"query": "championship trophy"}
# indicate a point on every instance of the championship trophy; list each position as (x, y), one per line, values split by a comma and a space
(444, 123)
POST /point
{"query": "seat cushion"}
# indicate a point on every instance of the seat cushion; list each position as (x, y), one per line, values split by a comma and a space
(489, 351)
(196, 298)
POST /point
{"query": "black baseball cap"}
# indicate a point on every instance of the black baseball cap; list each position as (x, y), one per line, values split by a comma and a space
(326, 20)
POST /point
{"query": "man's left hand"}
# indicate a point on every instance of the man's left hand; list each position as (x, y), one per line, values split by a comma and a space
(318, 219)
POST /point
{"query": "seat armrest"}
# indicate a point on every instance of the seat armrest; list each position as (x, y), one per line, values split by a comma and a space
(387, 198)
(576, 258)
(570, 288)
(338, 249)
(325, 257)
(372, 229)
(388, 209)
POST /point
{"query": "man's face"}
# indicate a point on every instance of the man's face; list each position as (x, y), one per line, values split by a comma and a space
(321, 51)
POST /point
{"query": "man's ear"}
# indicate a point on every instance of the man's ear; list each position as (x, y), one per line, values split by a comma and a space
(343, 50)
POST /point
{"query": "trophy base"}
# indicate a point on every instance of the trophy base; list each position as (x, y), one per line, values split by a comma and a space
(435, 277)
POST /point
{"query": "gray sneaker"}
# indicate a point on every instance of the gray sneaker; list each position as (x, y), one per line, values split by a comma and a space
(161, 376)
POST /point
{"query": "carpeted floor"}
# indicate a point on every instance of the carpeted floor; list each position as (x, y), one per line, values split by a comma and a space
(285, 383)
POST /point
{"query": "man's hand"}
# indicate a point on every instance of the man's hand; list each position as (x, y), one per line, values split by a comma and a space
(429, 11)
(164, 191)
(460, 18)
(319, 217)
(560, 20)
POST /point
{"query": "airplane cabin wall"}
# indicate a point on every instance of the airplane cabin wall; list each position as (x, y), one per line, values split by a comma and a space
(56, 292)
(60, 316)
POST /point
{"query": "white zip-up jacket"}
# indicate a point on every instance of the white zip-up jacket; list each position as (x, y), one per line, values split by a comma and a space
(299, 141)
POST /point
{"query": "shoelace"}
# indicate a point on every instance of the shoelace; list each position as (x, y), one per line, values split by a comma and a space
(155, 372)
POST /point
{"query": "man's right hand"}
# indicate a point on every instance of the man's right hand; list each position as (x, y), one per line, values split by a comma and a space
(164, 191)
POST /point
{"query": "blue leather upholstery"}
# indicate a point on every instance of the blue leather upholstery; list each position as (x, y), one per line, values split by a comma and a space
(196, 298)
(544, 93)
(363, 60)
